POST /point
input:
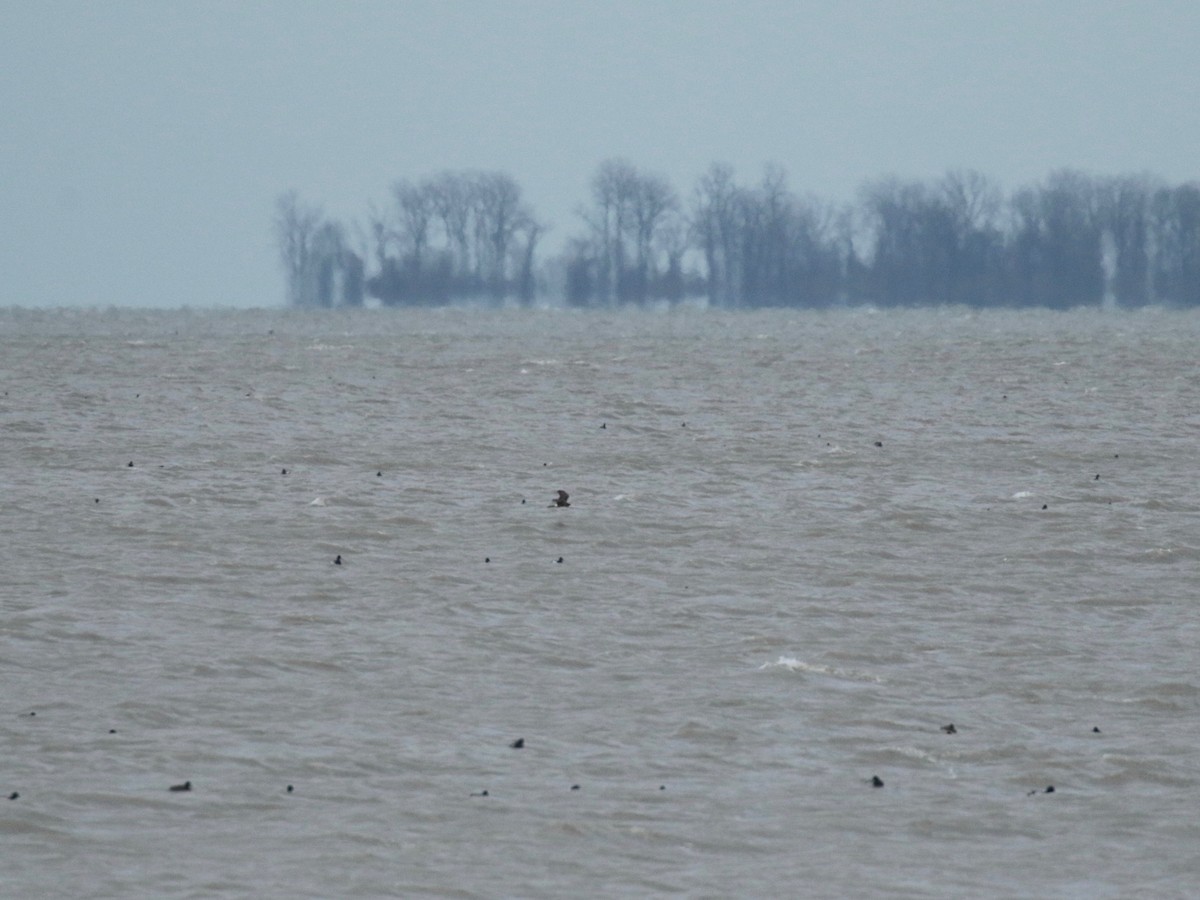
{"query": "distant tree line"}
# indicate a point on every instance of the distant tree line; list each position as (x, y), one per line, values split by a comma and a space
(1070, 240)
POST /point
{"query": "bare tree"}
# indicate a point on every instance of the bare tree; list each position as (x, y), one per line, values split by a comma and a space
(613, 188)
(415, 211)
(898, 213)
(714, 227)
(500, 215)
(976, 246)
(653, 201)
(1124, 210)
(296, 226)
(673, 240)
(972, 198)
(531, 231)
(1176, 215)
(328, 247)
(629, 211)
(453, 196)
(1057, 242)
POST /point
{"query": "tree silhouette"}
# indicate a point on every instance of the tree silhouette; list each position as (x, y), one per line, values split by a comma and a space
(1070, 240)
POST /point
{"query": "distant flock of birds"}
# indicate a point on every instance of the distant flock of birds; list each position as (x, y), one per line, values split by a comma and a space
(519, 744)
(562, 499)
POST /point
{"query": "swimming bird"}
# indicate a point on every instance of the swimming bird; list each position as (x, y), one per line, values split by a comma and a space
(518, 743)
(561, 499)
(876, 781)
(186, 786)
(950, 729)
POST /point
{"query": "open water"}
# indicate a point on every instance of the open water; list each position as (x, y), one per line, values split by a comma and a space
(798, 546)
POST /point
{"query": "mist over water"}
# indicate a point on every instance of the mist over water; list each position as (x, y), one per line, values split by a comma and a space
(798, 545)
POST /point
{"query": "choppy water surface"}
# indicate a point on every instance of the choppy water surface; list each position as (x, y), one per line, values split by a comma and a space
(798, 545)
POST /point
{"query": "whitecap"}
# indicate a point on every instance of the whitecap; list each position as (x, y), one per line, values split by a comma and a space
(786, 662)
(797, 665)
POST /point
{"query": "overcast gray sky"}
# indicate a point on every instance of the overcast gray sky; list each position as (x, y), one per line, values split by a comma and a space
(142, 144)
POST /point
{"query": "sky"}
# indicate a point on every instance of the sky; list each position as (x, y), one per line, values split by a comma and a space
(143, 144)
